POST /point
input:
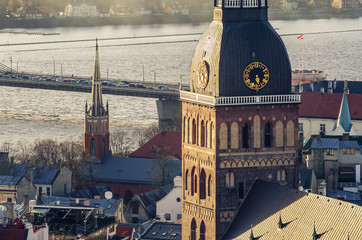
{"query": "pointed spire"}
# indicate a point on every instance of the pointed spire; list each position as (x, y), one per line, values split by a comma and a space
(344, 118)
(251, 237)
(348, 236)
(314, 233)
(96, 104)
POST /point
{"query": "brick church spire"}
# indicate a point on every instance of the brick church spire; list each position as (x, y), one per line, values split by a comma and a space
(96, 106)
(96, 124)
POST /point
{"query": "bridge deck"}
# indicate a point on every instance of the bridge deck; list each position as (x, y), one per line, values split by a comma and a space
(129, 91)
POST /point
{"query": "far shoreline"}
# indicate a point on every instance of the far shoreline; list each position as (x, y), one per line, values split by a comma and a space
(168, 19)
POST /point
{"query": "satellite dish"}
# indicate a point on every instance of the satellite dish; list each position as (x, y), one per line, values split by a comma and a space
(108, 195)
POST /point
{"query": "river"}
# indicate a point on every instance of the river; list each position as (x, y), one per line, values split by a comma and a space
(29, 114)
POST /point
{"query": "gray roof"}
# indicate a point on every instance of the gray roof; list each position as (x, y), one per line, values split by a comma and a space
(325, 143)
(9, 180)
(128, 170)
(349, 144)
(110, 206)
(163, 230)
(149, 199)
(299, 211)
(305, 178)
(97, 190)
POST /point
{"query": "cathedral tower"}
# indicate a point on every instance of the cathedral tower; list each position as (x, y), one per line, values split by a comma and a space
(96, 120)
(239, 119)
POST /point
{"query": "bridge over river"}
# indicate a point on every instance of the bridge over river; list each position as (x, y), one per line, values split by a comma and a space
(167, 101)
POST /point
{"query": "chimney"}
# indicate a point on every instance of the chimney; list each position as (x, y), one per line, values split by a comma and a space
(4, 163)
(12, 166)
(30, 171)
(37, 168)
(358, 173)
(346, 86)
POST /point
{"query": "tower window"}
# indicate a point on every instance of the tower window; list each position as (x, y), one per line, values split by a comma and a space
(193, 229)
(245, 136)
(267, 135)
(230, 179)
(232, 3)
(93, 147)
(241, 189)
(202, 184)
(202, 230)
(202, 140)
(193, 131)
(193, 181)
(186, 179)
(209, 186)
(300, 127)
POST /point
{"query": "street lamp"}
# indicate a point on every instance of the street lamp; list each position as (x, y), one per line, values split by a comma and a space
(11, 64)
(53, 65)
(61, 70)
(107, 71)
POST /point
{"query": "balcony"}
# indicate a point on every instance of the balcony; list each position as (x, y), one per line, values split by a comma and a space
(241, 100)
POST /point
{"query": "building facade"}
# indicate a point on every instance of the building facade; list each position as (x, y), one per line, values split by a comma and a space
(96, 119)
(239, 119)
(80, 9)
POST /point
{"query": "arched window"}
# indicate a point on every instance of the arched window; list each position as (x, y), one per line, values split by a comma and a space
(93, 147)
(279, 134)
(209, 186)
(290, 133)
(202, 184)
(245, 136)
(267, 135)
(223, 136)
(193, 181)
(186, 179)
(202, 230)
(184, 130)
(256, 131)
(128, 196)
(234, 136)
(189, 130)
(103, 147)
(281, 174)
(241, 189)
(211, 135)
(90, 127)
(195, 187)
(230, 179)
(193, 229)
(193, 131)
(202, 140)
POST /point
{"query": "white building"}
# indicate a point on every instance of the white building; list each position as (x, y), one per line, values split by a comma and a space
(169, 207)
(81, 9)
(319, 112)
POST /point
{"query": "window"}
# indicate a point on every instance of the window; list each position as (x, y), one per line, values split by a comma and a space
(348, 151)
(135, 220)
(202, 184)
(209, 186)
(40, 191)
(230, 179)
(65, 188)
(267, 135)
(193, 181)
(245, 136)
(241, 189)
(179, 216)
(9, 199)
(202, 231)
(167, 216)
(300, 127)
(93, 147)
(203, 134)
(186, 179)
(134, 207)
(193, 131)
(329, 152)
(322, 127)
(193, 229)
(48, 191)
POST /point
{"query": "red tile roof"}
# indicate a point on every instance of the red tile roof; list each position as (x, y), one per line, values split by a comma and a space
(165, 143)
(327, 105)
(124, 231)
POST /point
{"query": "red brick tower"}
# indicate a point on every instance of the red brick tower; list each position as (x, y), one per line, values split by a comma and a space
(96, 120)
(239, 119)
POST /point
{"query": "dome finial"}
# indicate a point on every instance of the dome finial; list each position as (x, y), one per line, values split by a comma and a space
(314, 233)
(280, 223)
(251, 233)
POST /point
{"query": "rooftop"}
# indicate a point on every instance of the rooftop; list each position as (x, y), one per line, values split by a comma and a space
(299, 211)
(163, 230)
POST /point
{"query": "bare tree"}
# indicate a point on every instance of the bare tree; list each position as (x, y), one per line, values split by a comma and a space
(21, 152)
(46, 151)
(141, 136)
(120, 143)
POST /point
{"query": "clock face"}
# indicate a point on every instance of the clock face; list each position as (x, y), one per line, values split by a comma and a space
(256, 76)
(203, 74)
